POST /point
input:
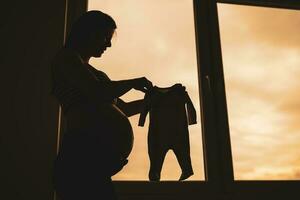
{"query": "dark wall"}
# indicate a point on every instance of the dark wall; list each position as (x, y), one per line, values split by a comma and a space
(31, 32)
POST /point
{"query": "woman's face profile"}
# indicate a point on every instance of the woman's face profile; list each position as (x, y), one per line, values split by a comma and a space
(100, 42)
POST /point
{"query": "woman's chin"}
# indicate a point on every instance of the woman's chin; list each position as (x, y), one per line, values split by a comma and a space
(98, 54)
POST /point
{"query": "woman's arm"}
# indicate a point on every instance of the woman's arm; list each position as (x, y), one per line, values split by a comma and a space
(130, 108)
(69, 65)
(118, 88)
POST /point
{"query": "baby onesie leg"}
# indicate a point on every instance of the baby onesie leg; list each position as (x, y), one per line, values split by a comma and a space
(182, 152)
(157, 156)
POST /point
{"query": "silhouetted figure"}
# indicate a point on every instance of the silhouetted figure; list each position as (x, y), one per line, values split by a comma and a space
(168, 128)
(98, 137)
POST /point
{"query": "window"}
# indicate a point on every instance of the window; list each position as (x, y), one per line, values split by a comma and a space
(161, 46)
(260, 49)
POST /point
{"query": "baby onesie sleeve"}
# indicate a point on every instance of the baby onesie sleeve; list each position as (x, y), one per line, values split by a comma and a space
(190, 109)
(145, 109)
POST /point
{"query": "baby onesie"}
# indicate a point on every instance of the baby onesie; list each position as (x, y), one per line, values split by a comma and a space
(171, 111)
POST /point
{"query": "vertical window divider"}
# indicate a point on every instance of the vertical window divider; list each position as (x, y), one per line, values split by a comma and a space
(215, 128)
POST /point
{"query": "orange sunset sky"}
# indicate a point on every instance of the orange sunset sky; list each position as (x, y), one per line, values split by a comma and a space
(261, 57)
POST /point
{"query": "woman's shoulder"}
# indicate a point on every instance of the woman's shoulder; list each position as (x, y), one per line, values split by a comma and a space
(100, 74)
(65, 61)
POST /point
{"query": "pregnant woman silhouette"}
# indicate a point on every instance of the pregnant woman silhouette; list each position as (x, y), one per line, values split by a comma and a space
(98, 136)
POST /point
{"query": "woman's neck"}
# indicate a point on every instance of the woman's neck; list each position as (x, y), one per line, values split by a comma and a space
(85, 57)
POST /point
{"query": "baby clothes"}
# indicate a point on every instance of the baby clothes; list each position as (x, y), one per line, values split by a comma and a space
(171, 111)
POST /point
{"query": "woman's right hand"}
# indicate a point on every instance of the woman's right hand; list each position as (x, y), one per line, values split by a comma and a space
(142, 84)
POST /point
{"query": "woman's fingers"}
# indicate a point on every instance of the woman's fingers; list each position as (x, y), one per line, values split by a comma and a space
(147, 84)
(143, 84)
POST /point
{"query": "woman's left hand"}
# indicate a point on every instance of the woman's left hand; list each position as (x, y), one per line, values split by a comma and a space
(142, 84)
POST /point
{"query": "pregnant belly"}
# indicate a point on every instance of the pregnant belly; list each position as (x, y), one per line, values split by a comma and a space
(108, 123)
(120, 128)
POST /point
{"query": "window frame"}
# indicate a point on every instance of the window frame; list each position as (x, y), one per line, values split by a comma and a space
(218, 167)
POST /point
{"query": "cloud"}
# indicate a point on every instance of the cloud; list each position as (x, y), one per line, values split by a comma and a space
(275, 27)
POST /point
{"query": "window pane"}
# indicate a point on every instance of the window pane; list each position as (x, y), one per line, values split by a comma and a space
(155, 39)
(261, 56)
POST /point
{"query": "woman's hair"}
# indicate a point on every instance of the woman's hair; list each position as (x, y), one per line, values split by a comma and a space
(88, 23)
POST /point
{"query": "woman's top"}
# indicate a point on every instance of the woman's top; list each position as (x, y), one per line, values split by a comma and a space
(69, 94)
(84, 94)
